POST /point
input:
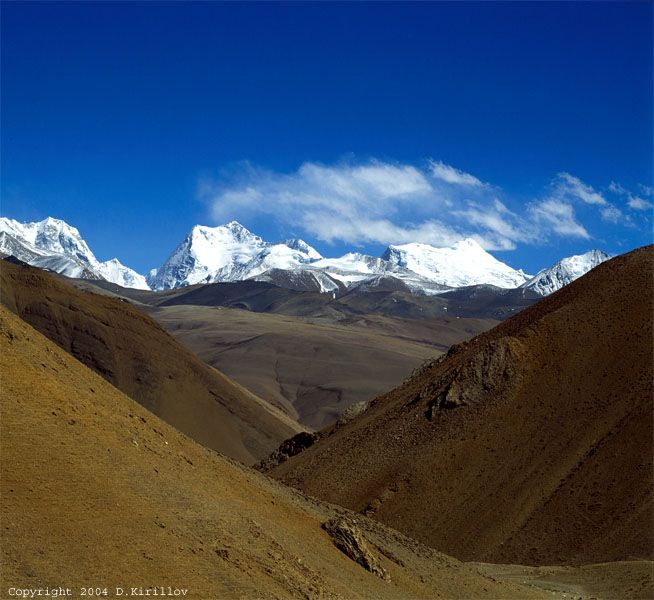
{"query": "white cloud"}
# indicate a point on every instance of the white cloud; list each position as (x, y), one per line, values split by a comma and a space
(646, 189)
(634, 202)
(374, 202)
(384, 203)
(638, 203)
(449, 174)
(378, 230)
(502, 226)
(573, 188)
(616, 188)
(560, 216)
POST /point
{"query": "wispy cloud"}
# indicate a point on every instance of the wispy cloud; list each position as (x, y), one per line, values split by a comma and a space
(571, 187)
(638, 203)
(611, 214)
(383, 202)
(560, 216)
(449, 174)
(633, 201)
(502, 225)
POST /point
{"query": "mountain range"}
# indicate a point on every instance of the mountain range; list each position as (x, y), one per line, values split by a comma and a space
(529, 445)
(232, 253)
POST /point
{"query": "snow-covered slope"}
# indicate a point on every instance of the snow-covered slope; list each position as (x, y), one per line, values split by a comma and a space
(352, 267)
(60, 263)
(113, 270)
(227, 253)
(55, 245)
(304, 248)
(565, 271)
(464, 263)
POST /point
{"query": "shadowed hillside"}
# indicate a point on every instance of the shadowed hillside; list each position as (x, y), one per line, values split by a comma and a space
(531, 443)
(132, 352)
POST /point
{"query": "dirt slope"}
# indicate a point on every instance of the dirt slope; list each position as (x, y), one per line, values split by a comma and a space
(313, 368)
(133, 353)
(530, 444)
(97, 491)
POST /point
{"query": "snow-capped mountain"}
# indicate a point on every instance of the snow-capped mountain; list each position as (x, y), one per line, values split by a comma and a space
(565, 271)
(232, 253)
(227, 253)
(50, 237)
(53, 244)
(364, 272)
(462, 264)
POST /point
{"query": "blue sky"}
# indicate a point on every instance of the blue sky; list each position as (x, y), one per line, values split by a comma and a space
(526, 125)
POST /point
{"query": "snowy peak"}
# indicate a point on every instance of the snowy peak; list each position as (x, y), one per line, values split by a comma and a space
(54, 244)
(52, 237)
(565, 271)
(228, 252)
(113, 270)
(208, 254)
(232, 231)
(462, 264)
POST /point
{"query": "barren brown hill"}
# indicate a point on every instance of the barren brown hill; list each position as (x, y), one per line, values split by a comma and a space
(530, 444)
(135, 354)
(96, 491)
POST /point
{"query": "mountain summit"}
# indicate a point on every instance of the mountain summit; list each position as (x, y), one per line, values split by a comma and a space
(548, 281)
(55, 245)
(226, 253)
(462, 264)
